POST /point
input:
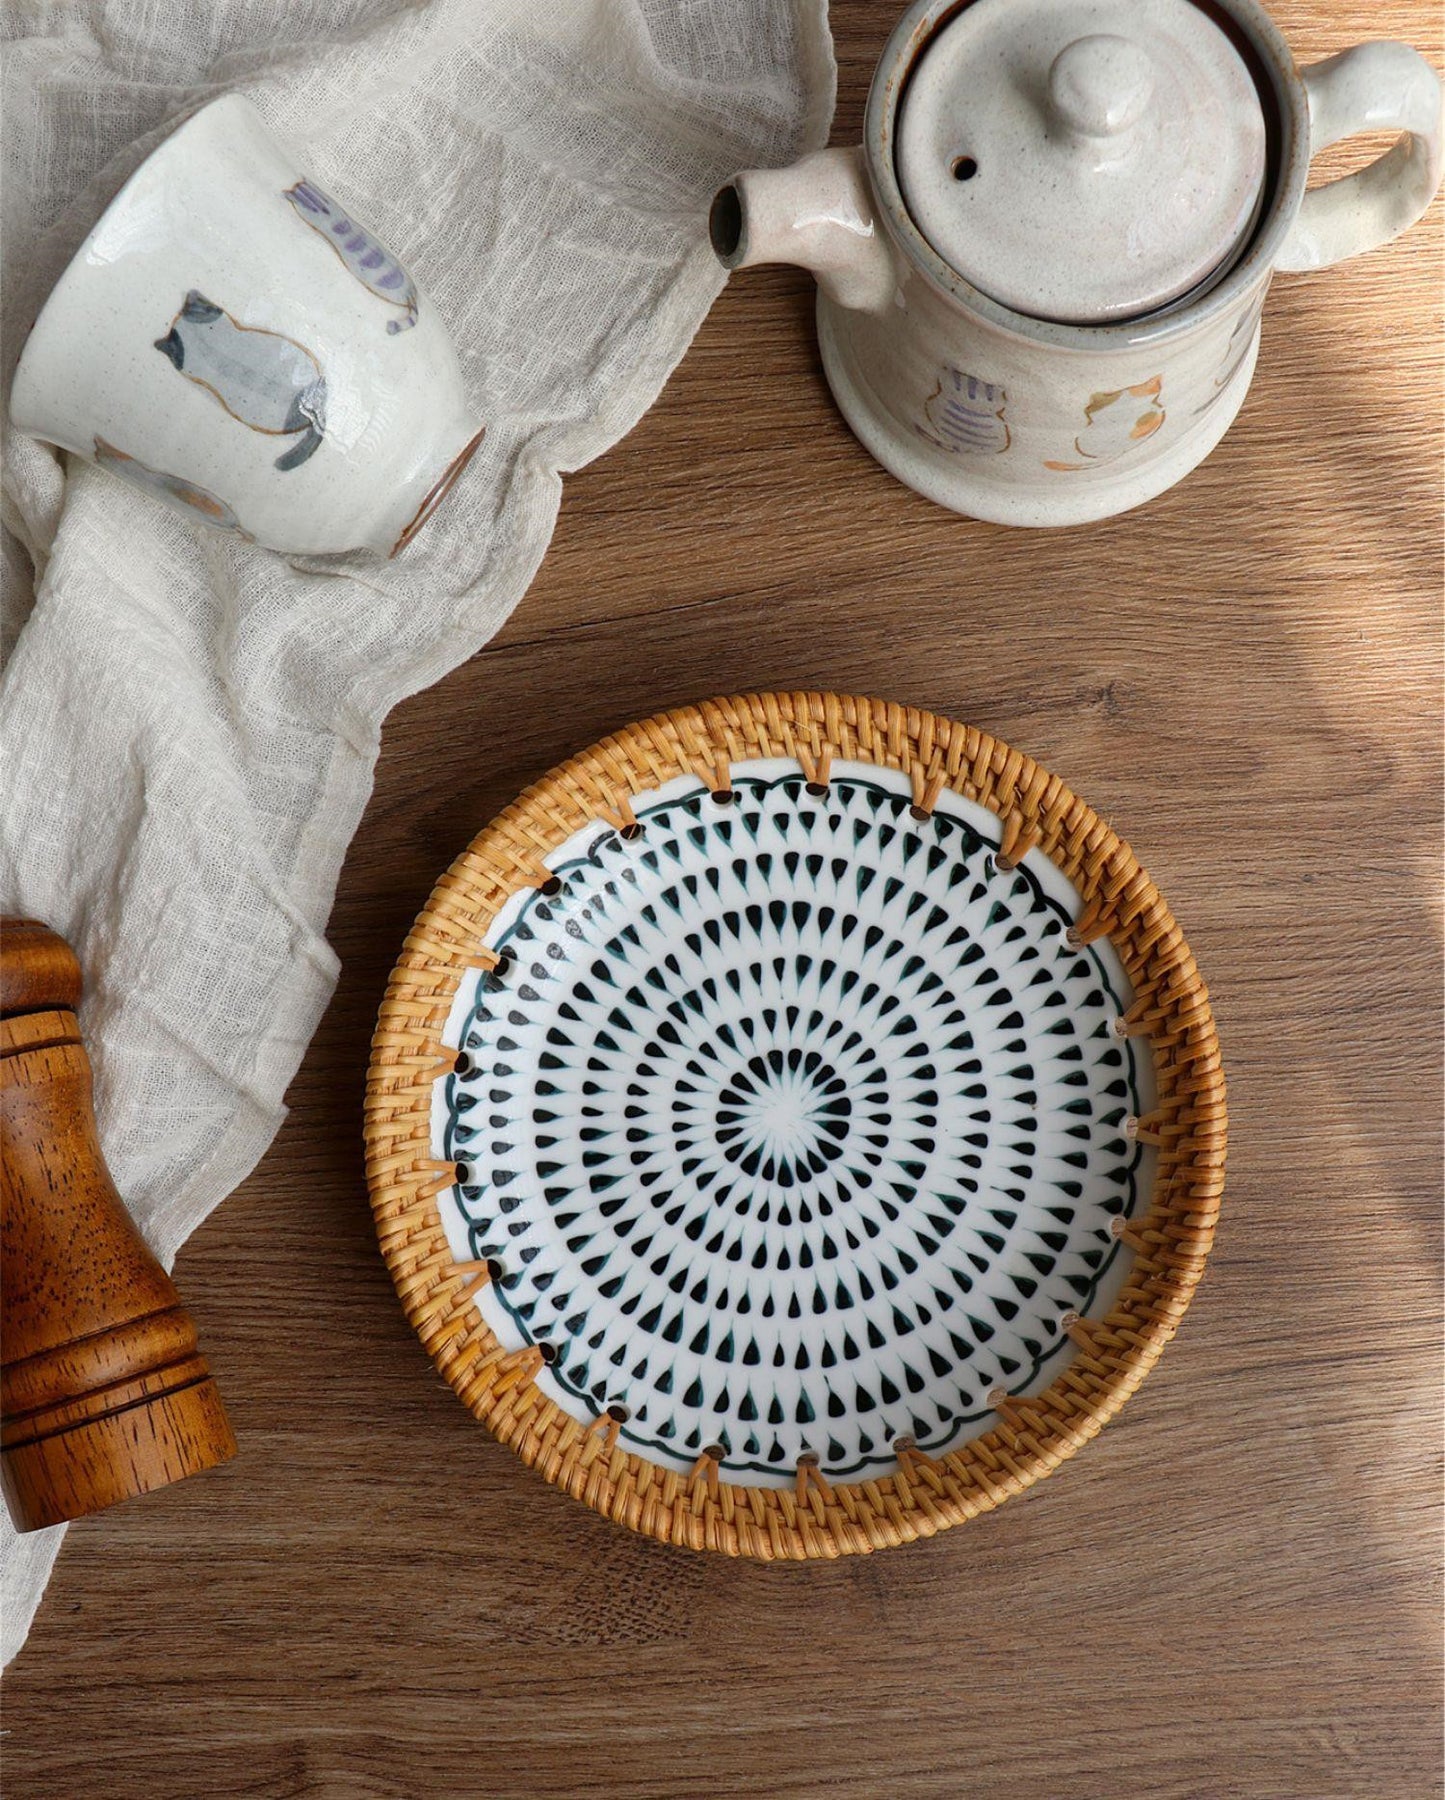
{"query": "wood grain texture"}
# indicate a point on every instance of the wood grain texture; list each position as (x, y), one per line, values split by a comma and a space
(103, 1391)
(1234, 1591)
(38, 969)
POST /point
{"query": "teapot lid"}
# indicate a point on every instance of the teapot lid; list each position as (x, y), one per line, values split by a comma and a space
(1082, 160)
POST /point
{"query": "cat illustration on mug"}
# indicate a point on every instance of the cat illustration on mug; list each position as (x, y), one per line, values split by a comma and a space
(262, 378)
(371, 263)
(188, 496)
(1114, 422)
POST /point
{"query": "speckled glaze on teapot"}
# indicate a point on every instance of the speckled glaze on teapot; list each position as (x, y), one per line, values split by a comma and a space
(1041, 277)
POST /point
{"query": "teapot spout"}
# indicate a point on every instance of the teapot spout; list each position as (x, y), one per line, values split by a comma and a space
(817, 214)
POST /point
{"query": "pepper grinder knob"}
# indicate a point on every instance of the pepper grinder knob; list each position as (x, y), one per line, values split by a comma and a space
(103, 1390)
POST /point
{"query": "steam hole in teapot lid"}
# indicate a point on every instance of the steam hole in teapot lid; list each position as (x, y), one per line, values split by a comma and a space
(1114, 158)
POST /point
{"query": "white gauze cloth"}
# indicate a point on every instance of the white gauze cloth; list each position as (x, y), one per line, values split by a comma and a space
(189, 724)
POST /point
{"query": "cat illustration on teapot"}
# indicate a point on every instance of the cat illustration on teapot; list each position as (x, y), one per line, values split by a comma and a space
(1236, 354)
(1114, 422)
(262, 378)
(966, 415)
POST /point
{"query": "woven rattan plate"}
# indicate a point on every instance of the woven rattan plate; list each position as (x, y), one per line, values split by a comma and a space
(795, 1125)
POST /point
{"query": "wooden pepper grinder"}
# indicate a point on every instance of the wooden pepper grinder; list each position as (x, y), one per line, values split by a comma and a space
(103, 1392)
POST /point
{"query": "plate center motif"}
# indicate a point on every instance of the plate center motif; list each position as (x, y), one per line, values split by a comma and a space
(783, 1117)
(793, 1125)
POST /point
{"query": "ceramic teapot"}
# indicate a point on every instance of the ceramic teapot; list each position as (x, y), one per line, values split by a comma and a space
(1042, 274)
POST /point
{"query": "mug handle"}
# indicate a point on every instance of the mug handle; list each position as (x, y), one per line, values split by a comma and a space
(1374, 87)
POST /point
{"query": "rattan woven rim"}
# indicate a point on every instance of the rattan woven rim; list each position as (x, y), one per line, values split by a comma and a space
(1171, 1240)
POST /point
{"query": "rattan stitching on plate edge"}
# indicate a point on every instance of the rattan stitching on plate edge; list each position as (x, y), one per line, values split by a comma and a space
(1114, 1354)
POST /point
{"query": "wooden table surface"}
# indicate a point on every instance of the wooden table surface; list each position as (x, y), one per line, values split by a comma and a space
(1234, 1590)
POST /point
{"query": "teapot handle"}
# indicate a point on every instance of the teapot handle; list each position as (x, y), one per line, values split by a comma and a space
(1374, 87)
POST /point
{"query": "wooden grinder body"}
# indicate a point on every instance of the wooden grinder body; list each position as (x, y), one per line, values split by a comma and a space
(103, 1390)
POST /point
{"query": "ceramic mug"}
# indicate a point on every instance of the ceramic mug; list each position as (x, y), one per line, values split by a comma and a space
(229, 338)
(1027, 420)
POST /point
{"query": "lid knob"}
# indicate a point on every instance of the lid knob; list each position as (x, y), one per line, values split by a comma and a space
(1101, 85)
(1081, 161)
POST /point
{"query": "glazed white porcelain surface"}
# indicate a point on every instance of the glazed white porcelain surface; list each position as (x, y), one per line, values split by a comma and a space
(1023, 419)
(793, 1125)
(1085, 160)
(229, 338)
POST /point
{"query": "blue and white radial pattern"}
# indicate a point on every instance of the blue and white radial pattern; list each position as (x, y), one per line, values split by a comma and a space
(791, 1124)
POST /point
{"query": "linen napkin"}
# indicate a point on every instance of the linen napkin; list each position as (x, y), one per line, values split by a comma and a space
(189, 724)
